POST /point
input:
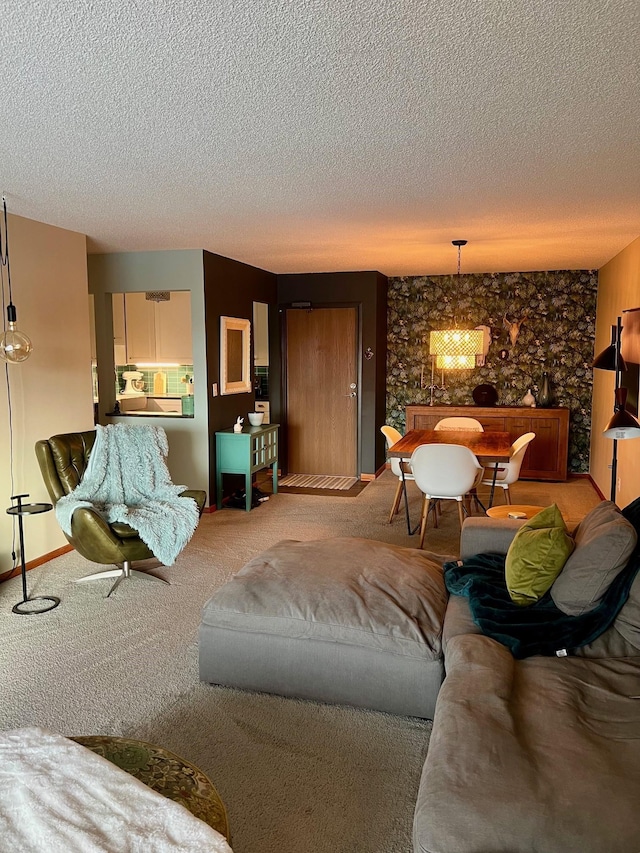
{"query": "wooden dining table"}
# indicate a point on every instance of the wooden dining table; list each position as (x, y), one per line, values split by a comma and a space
(490, 448)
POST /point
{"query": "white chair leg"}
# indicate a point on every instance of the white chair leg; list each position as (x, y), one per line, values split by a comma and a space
(460, 513)
(507, 494)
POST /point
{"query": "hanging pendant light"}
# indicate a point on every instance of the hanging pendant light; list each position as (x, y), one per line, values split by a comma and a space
(456, 349)
(15, 346)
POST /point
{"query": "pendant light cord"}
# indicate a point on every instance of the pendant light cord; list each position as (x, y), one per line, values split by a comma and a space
(4, 264)
(4, 250)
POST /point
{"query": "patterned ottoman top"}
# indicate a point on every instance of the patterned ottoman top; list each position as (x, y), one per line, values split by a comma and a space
(164, 772)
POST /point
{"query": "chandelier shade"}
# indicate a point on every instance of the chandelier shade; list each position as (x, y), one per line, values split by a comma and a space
(456, 349)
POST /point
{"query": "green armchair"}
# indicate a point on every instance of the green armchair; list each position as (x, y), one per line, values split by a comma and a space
(62, 460)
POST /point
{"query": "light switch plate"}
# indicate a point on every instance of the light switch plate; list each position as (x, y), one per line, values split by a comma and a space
(214, 389)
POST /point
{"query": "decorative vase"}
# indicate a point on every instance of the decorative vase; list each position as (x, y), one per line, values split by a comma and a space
(528, 399)
(544, 397)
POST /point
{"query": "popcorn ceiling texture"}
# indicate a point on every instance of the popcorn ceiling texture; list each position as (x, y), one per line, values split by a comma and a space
(312, 136)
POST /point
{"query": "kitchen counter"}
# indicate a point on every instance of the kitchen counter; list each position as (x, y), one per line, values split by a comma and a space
(143, 413)
(152, 406)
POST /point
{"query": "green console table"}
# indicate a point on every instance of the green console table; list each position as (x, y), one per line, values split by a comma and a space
(245, 453)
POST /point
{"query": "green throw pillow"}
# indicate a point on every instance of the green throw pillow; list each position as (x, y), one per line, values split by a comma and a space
(536, 556)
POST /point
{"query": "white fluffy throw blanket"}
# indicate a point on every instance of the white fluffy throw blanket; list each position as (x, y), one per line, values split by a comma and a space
(59, 797)
(127, 480)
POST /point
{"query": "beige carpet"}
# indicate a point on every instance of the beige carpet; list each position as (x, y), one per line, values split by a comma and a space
(296, 777)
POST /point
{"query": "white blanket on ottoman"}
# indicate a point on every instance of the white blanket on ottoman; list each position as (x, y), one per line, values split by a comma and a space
(56, 796)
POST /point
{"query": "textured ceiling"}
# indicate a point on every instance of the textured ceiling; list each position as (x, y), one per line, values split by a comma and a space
(316, 135)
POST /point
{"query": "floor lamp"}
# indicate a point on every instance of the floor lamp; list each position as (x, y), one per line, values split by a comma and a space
(622, 424)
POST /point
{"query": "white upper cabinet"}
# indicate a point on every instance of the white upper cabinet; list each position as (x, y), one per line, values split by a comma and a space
(173, 328)
(260, 334)
(158, 331)
(119, 341)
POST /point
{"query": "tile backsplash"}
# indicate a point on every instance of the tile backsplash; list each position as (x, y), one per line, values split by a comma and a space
(261, 385)
(175, 375)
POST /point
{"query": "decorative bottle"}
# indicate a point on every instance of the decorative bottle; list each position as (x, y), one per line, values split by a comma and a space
(544, 397)
(528, 399)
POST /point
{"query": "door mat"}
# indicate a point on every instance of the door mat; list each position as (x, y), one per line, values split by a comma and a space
(318, 481)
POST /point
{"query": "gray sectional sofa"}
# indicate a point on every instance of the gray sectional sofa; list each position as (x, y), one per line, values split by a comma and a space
(539, 755)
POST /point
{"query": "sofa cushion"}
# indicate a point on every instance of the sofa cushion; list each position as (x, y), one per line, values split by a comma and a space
(627, 621)
(536, 555)
(345, 620)
(604, 542)
(535, 755)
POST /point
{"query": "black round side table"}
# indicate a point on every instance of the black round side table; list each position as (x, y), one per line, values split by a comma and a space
(20, 510)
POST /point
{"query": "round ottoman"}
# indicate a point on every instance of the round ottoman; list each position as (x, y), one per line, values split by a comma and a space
(164, 772)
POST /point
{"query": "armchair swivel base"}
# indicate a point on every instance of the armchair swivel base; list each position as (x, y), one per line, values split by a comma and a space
(121, 572)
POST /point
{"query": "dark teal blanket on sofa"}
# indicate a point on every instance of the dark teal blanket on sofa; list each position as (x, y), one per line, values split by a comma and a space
(540, 628)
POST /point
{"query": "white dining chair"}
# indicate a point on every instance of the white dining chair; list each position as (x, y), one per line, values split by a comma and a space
(460, 423)
(509, 472)
(444, 472)
(392, 436)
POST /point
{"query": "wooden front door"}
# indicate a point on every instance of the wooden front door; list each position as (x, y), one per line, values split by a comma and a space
(322, 391)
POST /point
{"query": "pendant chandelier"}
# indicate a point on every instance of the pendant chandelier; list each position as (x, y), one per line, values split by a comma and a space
(15, 346)
(456, 349)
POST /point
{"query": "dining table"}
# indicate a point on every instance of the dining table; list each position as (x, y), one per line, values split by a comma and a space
(490, 448)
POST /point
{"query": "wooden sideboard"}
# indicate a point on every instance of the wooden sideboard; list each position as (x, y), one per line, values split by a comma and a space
(547, 455)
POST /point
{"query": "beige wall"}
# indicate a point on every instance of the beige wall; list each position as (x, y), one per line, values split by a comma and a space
(51, 391)
(618, 288)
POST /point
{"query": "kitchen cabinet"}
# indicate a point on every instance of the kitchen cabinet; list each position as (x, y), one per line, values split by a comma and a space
(260, 334)
(119, 351)
(92, 327)
(158, 331)
(119, 339)
(547, 455)
(263, 406)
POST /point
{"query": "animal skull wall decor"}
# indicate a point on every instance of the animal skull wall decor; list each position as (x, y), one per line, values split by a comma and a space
(513, 328)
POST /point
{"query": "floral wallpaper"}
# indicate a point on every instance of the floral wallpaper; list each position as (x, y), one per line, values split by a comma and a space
(556, 311)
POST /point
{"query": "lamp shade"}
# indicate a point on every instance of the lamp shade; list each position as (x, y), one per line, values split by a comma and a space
(606, 360)
(456, 349)
(623, 424)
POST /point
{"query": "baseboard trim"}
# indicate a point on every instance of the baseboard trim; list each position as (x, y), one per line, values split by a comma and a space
(596, 488)
(33, 564)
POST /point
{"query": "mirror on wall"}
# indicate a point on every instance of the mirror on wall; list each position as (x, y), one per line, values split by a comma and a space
(235, 348)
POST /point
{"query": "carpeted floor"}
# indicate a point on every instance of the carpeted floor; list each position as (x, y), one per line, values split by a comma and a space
(296, 777)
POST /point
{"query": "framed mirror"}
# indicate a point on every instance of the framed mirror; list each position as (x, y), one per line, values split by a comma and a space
(235, 350)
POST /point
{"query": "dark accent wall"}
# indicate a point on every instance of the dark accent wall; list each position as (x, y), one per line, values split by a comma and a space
(230, 289)
(557, 336)
(367, 290)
